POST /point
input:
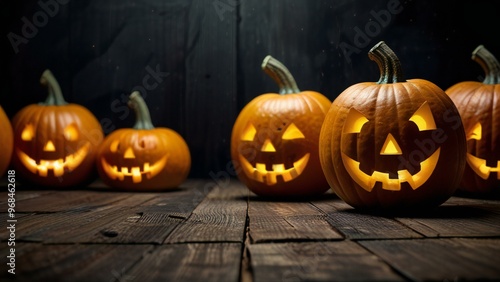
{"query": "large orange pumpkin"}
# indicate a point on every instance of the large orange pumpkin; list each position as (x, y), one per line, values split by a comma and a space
(274, 142)
(143, 157)
(394, 143)
(6, 141)
(55, 142)
(479, 104)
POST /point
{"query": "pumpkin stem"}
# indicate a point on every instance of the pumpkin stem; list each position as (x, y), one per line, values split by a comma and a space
(388, 63)
(489, 64)
(55, 97)
(142, 117)
(280, 74)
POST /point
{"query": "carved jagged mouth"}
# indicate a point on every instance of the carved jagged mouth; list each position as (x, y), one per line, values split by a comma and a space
(368, 181)
(136, 172)
(59, 166)
(479, 166)
(270, 177)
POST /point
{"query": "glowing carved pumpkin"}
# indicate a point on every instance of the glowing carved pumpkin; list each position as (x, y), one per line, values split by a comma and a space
(274, 143)
(478, 103)
(143, 157)
(55, 142)
(392, 144)
(6, 141)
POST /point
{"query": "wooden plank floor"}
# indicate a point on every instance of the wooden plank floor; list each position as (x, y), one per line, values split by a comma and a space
(205, 232)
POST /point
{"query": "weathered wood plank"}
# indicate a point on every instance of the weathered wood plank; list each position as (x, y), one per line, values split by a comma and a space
(441, 259)
(357, 225)
(38, 262)
(221, 217)
(190, 262)
(457, 221)
(317, 261)
(275, 221)
(151, 221)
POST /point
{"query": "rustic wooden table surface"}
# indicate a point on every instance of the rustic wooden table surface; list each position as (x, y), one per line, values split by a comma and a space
(208, 232)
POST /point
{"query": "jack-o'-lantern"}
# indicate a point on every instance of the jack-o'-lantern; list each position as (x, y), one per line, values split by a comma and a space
(274, 142)
(392, 144)
(55, 142)
(6, 141)
(478, 104)
(143, 157)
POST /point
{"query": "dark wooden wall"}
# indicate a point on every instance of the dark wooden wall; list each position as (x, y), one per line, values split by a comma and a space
(206, 55)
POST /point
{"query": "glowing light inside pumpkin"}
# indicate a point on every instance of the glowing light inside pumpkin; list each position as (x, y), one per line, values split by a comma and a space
(129, 154)
(270, 177)
(58, 166)
(475, 132)
(260, 172)
(249, 133)
(268, 146)
(71, 132)
(367, 181)
(28, 133)
(49, 147)
(478, 165)
(424, 120)
(292, 132)
(135, 172)
(390, 146)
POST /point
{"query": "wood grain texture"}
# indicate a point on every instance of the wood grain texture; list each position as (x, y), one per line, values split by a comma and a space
(277, 221)
(356, 225)
(37, 262)
(220, 217)
(317, 261)
(458, 259)
(190, 262)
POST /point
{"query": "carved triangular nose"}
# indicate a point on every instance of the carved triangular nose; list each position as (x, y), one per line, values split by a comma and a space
(129, 153)
(268, 146)
(390, 146)
(49, 147)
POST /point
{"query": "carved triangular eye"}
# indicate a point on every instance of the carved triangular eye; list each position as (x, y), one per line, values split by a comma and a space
(292, 132)
(354, 121)
(423, 118)
(115, 145)
(249, 133)
(476, 132)
(71, 132)
(28, 133)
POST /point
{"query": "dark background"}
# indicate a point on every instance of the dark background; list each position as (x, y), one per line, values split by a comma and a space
(212, 51)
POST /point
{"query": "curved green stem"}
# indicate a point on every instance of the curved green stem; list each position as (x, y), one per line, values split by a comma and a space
(489, 64)
(142, 117)
(55, 97)
(388, 63)
(280, 74)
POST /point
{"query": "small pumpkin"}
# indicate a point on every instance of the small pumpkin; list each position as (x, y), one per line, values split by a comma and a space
(143, 157)
(479, 104)
(274, 141)
(6, 141)
(392, 144)
(55, 142)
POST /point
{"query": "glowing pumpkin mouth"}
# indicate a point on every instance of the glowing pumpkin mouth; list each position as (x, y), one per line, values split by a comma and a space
(367, 181)
(59, 166)
(261, 174)
(479, 166)
(135, 172)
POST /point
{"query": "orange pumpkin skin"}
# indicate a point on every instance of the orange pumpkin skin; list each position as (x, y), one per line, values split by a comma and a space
(6, 141)
(143, 158)
(393, 144)
(55, 143)
(274, 142)
(479, 107)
